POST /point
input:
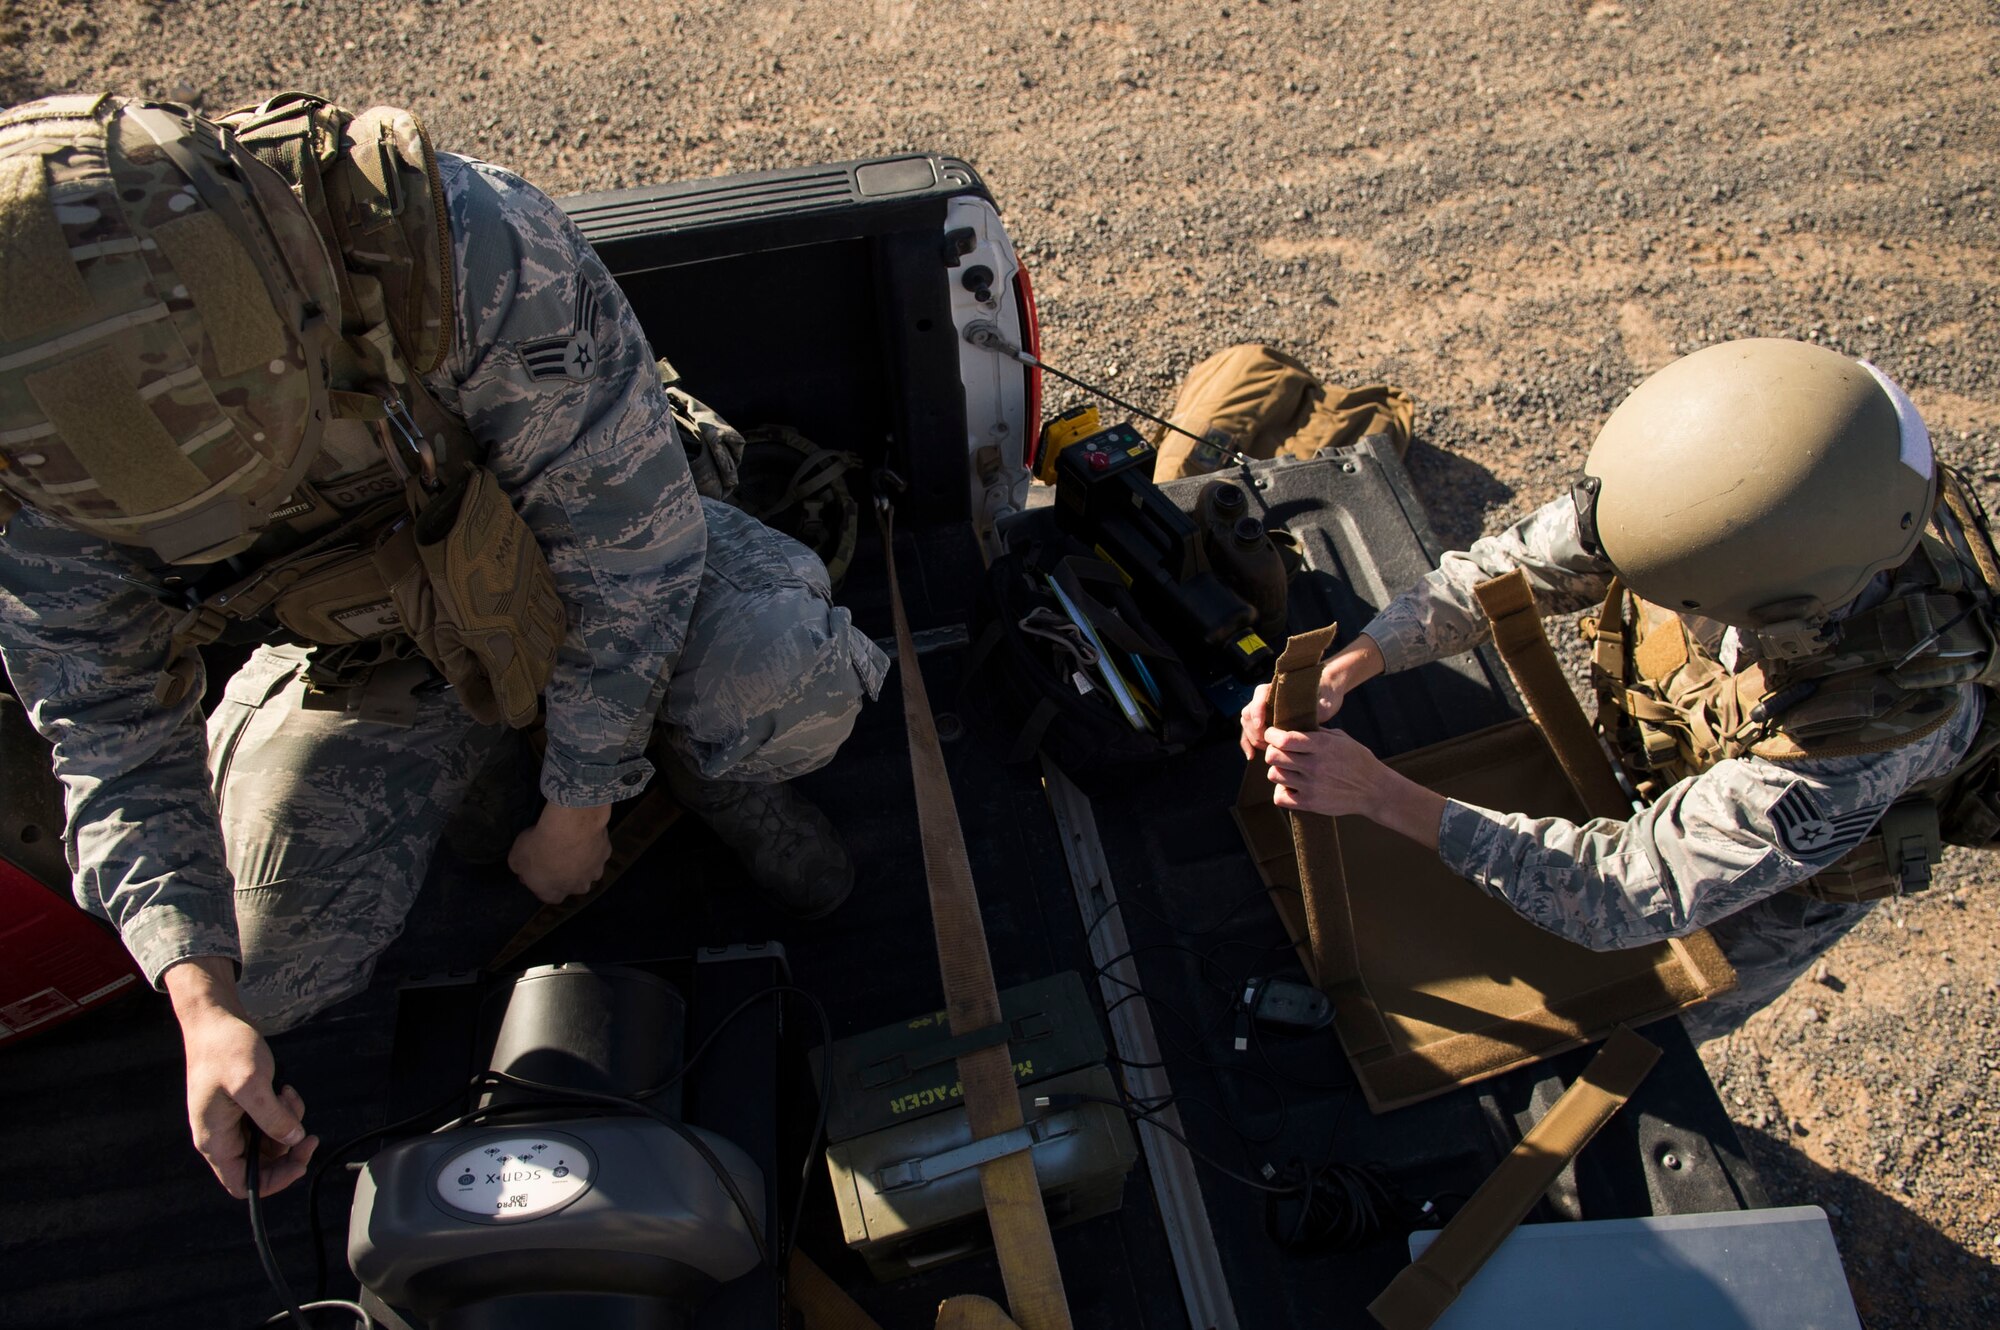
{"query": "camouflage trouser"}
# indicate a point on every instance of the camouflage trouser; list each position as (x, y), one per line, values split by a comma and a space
(329, 818)
(1771, 943)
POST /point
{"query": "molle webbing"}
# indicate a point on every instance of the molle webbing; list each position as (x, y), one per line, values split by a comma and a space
(242, 328)
(371, 184)
(40, 287)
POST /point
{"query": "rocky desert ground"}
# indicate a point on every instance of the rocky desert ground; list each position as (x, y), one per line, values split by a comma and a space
(1514, 209)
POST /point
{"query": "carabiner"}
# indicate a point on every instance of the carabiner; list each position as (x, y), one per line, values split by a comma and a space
(405, 425)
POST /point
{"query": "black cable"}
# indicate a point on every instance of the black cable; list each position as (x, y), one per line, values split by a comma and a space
(294, 1312)
(1124, 405)
(1127, 902)
(360, 1314)
(1145, 1115)
(1341, 1207)
(253, 1140)
(326, 1160)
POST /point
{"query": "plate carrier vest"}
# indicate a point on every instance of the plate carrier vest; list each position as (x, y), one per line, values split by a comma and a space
(1889, 676)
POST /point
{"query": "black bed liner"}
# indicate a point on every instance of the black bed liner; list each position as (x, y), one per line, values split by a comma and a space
(116, 1223)
(108, 1219)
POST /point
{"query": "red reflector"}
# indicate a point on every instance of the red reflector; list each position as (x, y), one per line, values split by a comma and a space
(56, 962)
(1031, 342)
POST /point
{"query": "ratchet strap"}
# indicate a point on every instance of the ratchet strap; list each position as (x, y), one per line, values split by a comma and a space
(1013, 1196)
(1517, 632)
(1420, 1294)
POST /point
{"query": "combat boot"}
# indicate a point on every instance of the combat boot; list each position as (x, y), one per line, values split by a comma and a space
(793, 855)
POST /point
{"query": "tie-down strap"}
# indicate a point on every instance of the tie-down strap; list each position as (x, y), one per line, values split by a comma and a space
(1420, 1294)
(898, 1067)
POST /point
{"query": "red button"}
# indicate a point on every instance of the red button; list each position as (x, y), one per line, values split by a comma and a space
(1098, 461)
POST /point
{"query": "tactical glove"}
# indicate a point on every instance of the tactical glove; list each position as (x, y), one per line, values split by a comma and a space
(476, 594)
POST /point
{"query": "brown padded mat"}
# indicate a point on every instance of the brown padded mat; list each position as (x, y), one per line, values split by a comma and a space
(1454, 986)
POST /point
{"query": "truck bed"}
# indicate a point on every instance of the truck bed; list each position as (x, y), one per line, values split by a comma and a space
(110, 1220)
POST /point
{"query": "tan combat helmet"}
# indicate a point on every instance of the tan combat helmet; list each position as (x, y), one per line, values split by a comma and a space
(1760, 483)
(167, 312)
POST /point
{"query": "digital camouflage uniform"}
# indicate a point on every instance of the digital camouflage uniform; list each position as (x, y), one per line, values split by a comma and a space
(1716, 851)
(306, 832)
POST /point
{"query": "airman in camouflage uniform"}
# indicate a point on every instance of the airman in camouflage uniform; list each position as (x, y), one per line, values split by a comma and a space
(1709, 853)
(291, 830)
(1718, 849)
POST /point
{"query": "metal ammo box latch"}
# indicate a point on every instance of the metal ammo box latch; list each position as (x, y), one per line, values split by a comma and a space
(917, 1172)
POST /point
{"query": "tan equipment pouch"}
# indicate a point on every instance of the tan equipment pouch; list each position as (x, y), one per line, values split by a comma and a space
(473, 590)
(338, 598)
(1256, 400)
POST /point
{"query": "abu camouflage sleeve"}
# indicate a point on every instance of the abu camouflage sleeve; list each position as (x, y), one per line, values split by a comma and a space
(554, 376)
(1711, 845)
(85, 640)
(1440, 616)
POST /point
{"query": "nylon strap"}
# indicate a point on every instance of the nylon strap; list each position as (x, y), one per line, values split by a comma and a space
(1420, 1294)
(1315, 837)
(1331, 952)
(1517, 632)
(824, 1304)
(972, 1312)
(1013, 1195)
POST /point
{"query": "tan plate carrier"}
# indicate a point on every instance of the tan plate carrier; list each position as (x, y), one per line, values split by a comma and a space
(1434, 983)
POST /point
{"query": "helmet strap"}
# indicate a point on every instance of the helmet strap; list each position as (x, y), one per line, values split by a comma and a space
(1795, 639)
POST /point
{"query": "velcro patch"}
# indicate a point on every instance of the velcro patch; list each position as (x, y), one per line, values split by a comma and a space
(1804, 832)
(114, 435)
(40, 287)
(227, 290)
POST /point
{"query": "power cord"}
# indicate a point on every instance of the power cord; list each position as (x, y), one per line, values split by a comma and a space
(1339, 1207)
(294, 1312)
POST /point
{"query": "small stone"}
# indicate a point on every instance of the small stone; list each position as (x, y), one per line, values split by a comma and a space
(1810, 1016)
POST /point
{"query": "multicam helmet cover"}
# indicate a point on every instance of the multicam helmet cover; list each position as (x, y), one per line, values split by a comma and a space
(167, 312)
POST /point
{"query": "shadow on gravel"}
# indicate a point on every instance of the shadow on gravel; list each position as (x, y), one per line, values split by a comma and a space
(1904, 1273)
(1457, 493)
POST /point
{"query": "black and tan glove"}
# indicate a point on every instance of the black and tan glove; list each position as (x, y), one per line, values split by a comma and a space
(476, 594)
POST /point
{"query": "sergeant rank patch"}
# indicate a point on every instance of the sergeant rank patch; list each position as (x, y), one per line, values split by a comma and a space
(573, 356)
(1806, 833)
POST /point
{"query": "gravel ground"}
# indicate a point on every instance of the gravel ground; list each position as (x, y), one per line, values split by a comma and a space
(1514, 209)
